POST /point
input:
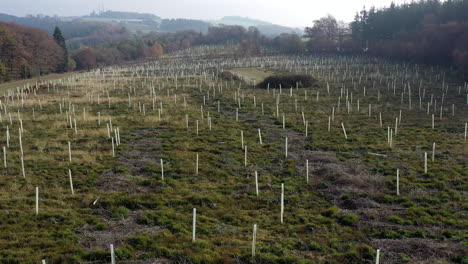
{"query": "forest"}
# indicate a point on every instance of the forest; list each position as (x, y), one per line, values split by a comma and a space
(27, 51)
(427, 31)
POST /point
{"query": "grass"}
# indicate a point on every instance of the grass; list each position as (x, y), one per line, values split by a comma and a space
(348, 209)
(253, 75)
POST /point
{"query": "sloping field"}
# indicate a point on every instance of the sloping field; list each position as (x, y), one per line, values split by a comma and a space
(165, 162)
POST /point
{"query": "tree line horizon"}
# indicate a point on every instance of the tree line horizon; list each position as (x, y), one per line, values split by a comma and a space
(427, 31)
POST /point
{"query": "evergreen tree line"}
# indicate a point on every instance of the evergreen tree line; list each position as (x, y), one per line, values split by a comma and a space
(427, 31)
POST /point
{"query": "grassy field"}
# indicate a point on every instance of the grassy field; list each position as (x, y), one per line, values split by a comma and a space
(252, 75)
(340, 199)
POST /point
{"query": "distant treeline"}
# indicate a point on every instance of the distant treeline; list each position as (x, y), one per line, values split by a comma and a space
(428, 31)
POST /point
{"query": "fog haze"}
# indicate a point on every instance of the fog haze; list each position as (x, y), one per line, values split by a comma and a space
(295, 13)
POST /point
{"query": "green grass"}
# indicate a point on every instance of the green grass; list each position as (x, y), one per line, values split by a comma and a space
(340, 216)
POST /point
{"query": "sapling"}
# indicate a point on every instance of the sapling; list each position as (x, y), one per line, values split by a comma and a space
(396, 126)
(242, 139)
(344, 131)
(282, 202)
(196, 165)
(37, 200)
(194, 224)
(22, 167)
(377, 257)
(21, 143)
(398, 182)
(256, 182)
(425, 162)
(112, 254)
(286, 148)
(254, 239)
(113, 148)
(71, 181)
(307, 171)
(4, 157)
(466, 128)
(162, 170)
(245, 155)
(260, 137)
(433, 151)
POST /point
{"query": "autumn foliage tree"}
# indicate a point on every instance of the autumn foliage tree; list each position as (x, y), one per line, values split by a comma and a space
(85, 59)
(26, 51)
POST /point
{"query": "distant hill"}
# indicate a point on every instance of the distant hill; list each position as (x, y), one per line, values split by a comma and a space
(108, 26)
(266, 28)
(180, 24)
(240, 21)
(125, 15)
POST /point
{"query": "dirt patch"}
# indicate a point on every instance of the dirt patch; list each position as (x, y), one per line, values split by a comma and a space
(116, 232)
(140, 162)
(420, 250)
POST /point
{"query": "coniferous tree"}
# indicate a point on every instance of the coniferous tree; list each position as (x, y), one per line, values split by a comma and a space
(60, 40)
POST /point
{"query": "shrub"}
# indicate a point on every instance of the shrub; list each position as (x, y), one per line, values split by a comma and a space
(288, 80)
(348, 219)
(396, 219)
(331, 212)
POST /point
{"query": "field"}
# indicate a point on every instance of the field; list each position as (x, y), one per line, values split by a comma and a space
(252, 75)
(123, 156)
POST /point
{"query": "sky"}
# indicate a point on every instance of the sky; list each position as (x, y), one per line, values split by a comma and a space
(295, 13)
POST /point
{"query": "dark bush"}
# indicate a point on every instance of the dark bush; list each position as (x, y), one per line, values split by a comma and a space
(227, 75)
(288, 80)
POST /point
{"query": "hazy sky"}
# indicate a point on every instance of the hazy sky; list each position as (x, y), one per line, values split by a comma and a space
(284, 12)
